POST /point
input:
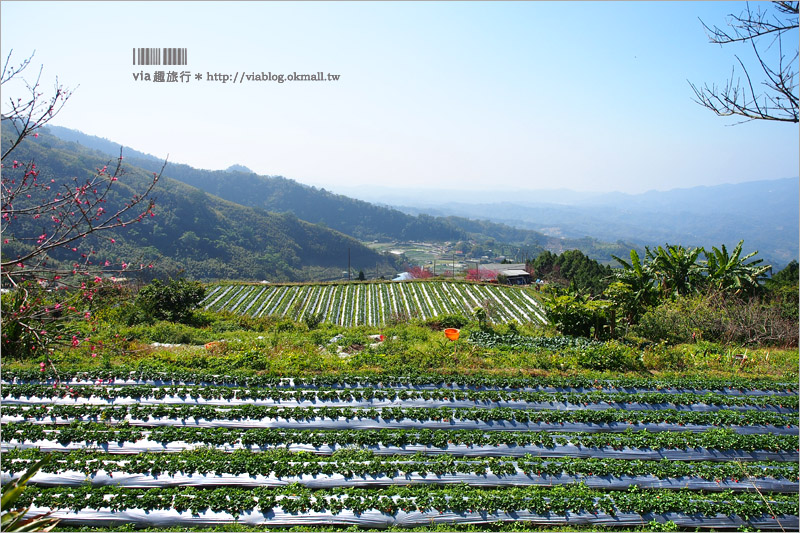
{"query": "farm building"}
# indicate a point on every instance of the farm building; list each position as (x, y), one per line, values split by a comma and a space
(516, 277)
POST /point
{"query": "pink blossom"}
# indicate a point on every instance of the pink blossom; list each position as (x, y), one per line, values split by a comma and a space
(107, 263)
(75, 341)
(98, 279)
(112, 240)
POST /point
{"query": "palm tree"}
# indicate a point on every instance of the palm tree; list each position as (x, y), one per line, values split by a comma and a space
(729, 272)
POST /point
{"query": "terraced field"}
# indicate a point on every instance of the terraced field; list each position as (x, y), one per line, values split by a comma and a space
(191, 450)
(355, 304)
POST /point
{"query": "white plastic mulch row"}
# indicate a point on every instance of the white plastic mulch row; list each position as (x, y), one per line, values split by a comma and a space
(325, 481)
(379, 423)
(395, 402)
(375, 519)
(458, 450)
(289, 383)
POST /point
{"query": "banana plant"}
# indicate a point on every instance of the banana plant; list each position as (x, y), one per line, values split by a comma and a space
(635, 288)
(676, 269)
(730, 272)
(15, 520)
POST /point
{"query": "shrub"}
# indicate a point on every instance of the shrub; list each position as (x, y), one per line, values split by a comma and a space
(664, 357)
(719, 318)
(172, 333)
(174, 301)
(668, 322)
(607, 356)
(312, 320)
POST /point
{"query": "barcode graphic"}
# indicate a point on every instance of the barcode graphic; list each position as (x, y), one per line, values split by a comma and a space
(159, 56)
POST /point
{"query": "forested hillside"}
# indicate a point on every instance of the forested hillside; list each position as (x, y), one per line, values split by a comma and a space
(192, 231)
(278, 194)
(357, 218)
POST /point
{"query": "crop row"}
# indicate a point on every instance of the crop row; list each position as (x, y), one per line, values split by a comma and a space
(422, 381)
(109, 395)
(557, 500)
(95, 433)
(239, 414)
(350, 463)
(356, 304)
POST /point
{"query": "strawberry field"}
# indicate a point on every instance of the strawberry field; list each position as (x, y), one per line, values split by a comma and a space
(181, 449)
(357, 304)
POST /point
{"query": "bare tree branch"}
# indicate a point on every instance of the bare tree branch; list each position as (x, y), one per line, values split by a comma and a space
(779, 99)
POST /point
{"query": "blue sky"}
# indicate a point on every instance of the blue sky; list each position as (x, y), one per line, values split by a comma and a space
(583, 95)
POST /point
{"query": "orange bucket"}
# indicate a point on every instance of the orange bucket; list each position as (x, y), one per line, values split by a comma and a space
(451, 333)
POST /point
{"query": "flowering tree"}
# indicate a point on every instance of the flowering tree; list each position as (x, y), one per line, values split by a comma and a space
(44, 218)
(481, 274)
(417, 272)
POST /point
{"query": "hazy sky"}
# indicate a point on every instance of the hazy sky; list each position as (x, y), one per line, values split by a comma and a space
(526, 95)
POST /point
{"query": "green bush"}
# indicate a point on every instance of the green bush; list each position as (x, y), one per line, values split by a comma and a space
(668, 322)
(575, 315)
(174, 301)
(607, 356)
(171, 333)
(718, 318)
(664, 357)
(312, 320)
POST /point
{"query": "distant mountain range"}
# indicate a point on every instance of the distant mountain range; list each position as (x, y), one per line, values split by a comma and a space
(763, 213)
(360, 219)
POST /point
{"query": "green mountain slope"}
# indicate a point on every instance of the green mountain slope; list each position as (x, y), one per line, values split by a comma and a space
(358, 218)
(278, 194)
(194, 232)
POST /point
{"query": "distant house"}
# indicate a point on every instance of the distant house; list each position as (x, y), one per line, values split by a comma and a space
(516, 277)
